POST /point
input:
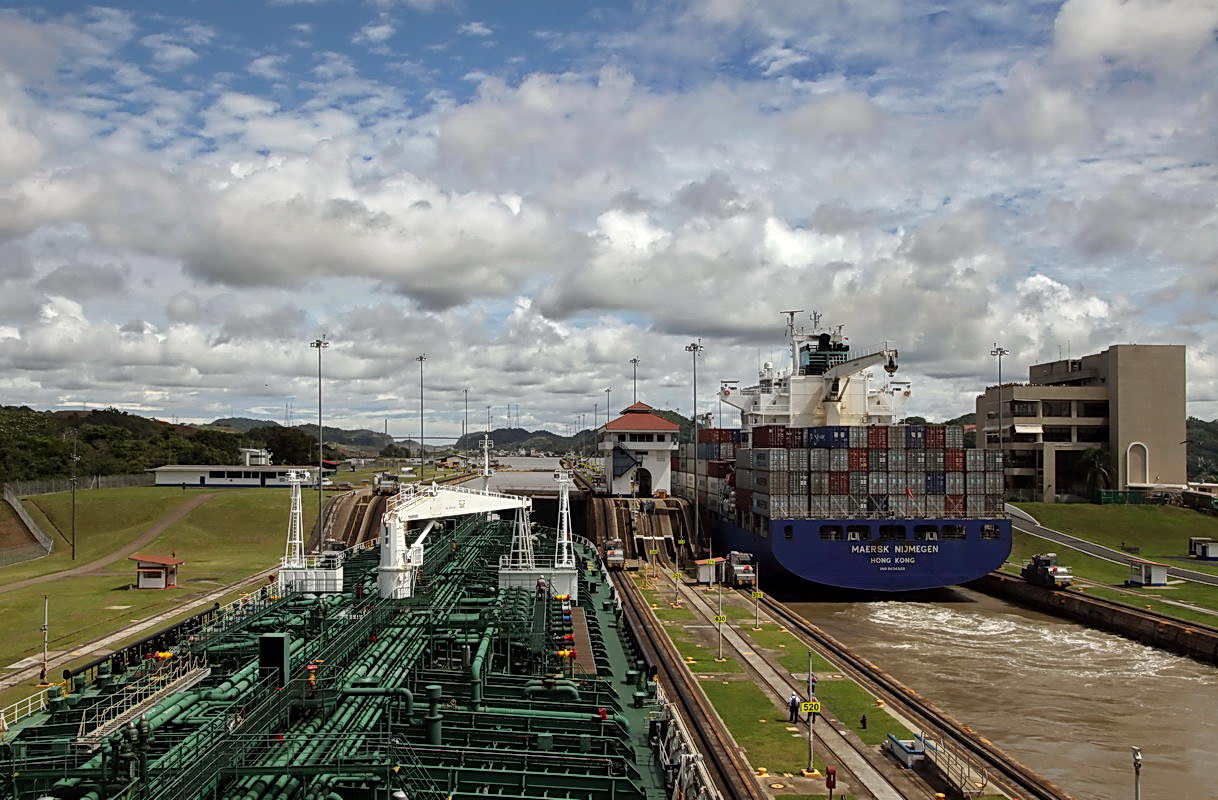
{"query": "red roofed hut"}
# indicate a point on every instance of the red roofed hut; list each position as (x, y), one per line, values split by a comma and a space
(638, 448)
(155, 572)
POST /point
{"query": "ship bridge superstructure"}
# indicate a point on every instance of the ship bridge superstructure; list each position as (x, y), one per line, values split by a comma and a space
(827, 382)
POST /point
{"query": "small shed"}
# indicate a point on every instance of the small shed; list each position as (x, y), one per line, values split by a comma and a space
(1146, 573)
(1208, 551)
(155, 572)
(708, 570)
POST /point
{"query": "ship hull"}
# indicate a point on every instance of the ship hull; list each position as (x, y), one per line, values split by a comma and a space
(795, 548)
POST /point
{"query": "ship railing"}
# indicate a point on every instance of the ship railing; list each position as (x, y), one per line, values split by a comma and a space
(20, 710)
(683, 764)
(160, 679)
(960, 771)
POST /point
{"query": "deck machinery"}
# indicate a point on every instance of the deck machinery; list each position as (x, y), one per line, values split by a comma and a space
(463, 690)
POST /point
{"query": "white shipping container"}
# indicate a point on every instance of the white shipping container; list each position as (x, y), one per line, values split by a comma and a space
(974, 460)
(744, 478)
(877, 483)
(857, 435)
(954, 483)
(897, 460)
(818, 483)
(934, 460)
(727, 451)
(761, 504)
(799, 507)
(744, 458)
(839, 460)
(896, 437)
(993, 483)
(819, 506)
(818, 459)
(974, 505)
(934, 505)
(954, 437)
(915, 460)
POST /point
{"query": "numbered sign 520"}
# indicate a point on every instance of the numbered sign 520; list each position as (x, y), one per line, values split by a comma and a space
(720, 618)
(810, 708)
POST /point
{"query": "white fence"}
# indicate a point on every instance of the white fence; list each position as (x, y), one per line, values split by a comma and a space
(44, 541)
(50, 485)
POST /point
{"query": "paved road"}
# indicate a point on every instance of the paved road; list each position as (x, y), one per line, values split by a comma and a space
(1108, 553)
(128, 549)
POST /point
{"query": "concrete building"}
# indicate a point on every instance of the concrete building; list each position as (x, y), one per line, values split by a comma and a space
(219, 475)
(1128, 398)
(637, 449)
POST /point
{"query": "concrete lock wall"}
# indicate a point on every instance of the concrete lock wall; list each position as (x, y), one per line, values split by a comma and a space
(1177, 637)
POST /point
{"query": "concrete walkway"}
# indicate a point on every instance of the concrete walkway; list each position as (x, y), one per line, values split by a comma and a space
(1023, 523)
(132, 547)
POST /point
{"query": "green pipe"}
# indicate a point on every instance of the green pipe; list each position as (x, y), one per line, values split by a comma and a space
(434, 718)
(382, 691)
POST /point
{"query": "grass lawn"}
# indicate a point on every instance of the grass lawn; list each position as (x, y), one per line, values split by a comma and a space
(847, 702)
(794, 654)
(237, 533)
(769, 744)
(703, 655)
(106, 519)
(1162, 532)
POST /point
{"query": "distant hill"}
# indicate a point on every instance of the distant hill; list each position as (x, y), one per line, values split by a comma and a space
(521, 439)
(242, 424)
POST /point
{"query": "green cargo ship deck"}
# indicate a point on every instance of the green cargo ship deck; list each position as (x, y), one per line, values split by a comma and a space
(466, 689)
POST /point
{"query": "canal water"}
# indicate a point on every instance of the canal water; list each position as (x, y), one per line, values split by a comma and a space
(1064, 699)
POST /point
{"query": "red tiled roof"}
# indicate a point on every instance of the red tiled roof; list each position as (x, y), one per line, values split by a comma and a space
(638, 406)
(641, 422)
(164, 560)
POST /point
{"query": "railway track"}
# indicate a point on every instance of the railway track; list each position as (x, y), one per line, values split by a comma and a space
(1013, 775)
(728, 769)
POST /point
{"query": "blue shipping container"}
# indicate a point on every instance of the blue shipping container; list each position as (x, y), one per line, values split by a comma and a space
(936, 483)
(915, 436)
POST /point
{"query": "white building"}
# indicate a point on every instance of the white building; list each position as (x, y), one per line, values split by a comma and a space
(255, 457)
(213, 475)
(637, 448)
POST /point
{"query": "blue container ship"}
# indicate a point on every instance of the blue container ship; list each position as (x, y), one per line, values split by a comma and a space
(818, 483)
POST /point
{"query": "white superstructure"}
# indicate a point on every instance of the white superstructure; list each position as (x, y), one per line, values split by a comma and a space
(825, 384)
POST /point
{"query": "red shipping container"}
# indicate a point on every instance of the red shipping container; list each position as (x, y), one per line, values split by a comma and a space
(953, 504)
(936, 437)
(953, 460)
(676, 464)
(839, 483)
(768, 436)
(877, 437)
(744, 499)
(718, 469)
(858, 459)
(715, 435)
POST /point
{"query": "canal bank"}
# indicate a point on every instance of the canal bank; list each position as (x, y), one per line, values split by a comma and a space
(1177, 636)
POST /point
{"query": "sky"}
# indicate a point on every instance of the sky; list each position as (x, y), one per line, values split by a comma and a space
(534, 193)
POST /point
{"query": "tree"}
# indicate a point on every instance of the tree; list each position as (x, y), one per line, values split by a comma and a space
(288, 446)
(1097, 468)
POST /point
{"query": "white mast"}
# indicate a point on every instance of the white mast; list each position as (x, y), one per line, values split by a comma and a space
(486, 462)
(522, 542)
(564, 554)
(293, 557)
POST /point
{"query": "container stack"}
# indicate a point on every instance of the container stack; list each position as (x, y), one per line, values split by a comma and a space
(897, 471)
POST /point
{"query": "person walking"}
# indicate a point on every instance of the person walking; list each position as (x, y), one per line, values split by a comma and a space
(793, 706)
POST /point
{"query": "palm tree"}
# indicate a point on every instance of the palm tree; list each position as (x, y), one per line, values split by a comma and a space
(1097, 468)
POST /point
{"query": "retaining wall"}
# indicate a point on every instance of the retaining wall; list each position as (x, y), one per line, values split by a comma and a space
(1177, 636)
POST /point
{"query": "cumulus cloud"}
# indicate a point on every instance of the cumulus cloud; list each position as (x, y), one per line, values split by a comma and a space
(474, 29)
(85, 281)
(1143, 34)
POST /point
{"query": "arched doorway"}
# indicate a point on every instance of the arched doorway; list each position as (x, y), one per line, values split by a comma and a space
(643, 478)
(1137, 463)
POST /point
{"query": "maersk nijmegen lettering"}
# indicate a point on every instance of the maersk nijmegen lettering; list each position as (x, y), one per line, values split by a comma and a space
(899, 548)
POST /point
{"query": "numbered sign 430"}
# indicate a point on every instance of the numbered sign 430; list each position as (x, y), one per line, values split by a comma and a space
(720, 618)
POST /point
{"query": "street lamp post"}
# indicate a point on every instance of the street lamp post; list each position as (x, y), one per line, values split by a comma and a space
(607, 389)
(1000, 352)
(634, 362)
(421, 357)
(465, 424)
(320, 344)
(1137, 772)
(75, 459)
(693, 348)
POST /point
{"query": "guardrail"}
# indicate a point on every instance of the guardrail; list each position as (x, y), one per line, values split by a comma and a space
(20, 710)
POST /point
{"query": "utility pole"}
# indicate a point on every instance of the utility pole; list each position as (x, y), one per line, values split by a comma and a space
(46, 620)
(320, 344)
(634, 362)
(465, 424)
(607, 388)
(75, 478)
(693, 348)
(1000, 352)
(596, 415)
(421, 357)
